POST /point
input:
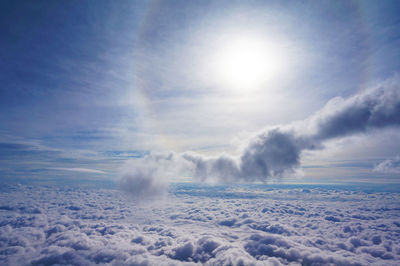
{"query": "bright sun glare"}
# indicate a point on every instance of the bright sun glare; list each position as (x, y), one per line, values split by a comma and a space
(247, 63)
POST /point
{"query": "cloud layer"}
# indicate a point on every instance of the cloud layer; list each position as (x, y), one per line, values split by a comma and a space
(275, 152)
(237, 225)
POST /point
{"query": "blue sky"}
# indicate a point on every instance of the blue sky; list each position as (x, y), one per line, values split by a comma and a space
(87, 86)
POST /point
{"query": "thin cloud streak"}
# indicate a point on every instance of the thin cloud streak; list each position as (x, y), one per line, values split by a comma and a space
(81, 170)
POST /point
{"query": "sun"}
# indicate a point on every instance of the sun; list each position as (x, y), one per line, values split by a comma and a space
(247, 62)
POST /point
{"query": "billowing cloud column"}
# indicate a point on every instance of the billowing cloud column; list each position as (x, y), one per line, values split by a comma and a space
(275, 151)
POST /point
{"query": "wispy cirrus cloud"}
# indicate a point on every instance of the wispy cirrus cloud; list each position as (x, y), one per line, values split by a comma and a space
(77, 169)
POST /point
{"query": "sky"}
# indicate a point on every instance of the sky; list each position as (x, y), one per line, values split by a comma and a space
(210, 91)
(199, 132)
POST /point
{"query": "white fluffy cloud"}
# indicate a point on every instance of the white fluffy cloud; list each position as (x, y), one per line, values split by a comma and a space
(43, 225)
(390, 166)
(148, 177)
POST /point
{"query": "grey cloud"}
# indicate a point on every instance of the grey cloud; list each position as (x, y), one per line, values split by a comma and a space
(141, 184)
(374, 108)
(275, 152)
(272, 153)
